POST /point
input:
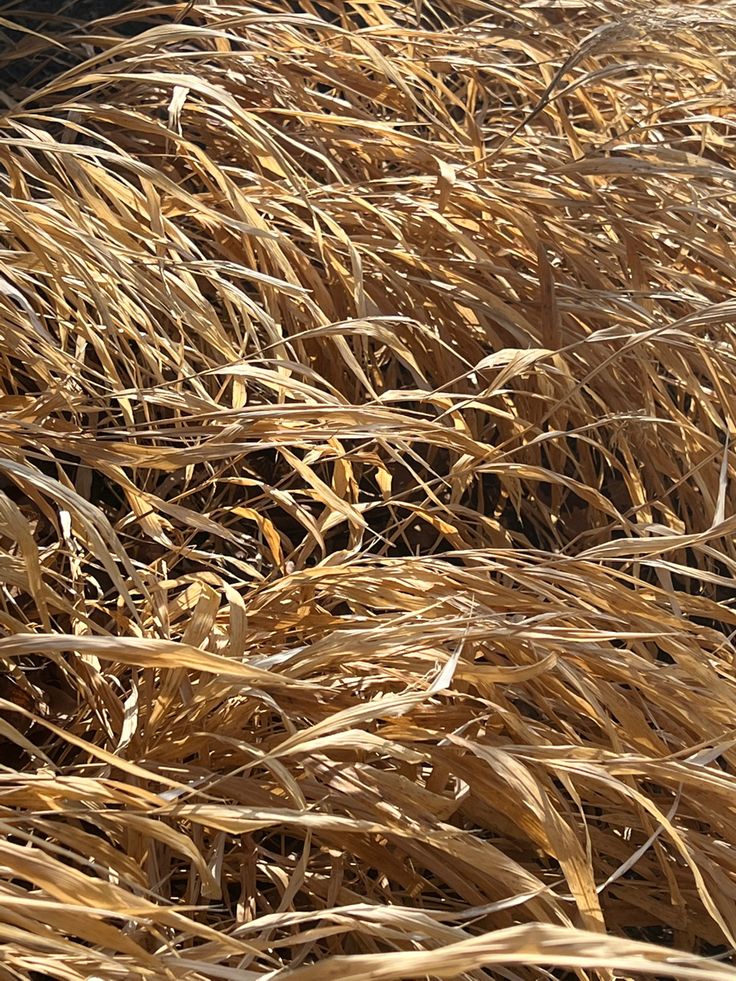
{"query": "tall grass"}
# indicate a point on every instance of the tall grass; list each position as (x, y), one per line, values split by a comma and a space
(367, 504)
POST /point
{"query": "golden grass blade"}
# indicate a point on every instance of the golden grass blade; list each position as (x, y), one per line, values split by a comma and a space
(525, 945)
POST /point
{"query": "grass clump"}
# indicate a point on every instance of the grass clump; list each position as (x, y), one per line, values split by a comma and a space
(367, 400)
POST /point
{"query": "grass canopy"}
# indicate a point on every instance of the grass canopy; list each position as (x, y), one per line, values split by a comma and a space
(367, 491)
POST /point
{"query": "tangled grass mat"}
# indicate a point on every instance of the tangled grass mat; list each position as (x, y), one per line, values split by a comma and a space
(367, 491)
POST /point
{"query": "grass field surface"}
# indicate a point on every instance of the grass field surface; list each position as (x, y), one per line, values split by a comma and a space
(367, 491)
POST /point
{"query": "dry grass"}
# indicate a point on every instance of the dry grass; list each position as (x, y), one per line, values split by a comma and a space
(367, 492)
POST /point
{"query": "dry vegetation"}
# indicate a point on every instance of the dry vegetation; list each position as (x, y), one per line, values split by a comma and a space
(367, 492)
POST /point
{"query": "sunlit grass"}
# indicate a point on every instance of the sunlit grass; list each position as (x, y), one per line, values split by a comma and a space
(367, 494)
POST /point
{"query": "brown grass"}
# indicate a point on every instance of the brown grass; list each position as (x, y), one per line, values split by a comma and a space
(367, 492)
